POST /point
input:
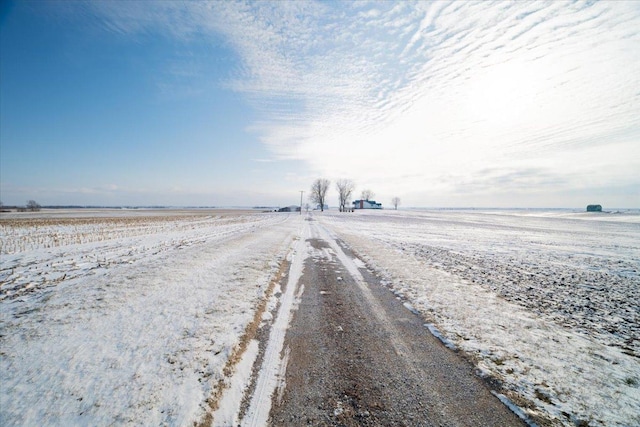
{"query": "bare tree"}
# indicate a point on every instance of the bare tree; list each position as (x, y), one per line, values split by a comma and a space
(367, 195)
(395, 202)
(319, 191)
(345, 190)
(33, 206)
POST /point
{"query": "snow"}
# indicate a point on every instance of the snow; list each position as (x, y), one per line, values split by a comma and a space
(229, 405)
(436, 333)
(114, 317)
(272, 369)
(546, 302)
(128, 320)
(514, 408)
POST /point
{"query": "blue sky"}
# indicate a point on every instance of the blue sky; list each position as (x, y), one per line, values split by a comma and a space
(484, 104)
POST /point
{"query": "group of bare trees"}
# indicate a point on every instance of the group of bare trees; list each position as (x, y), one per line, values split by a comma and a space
(345, 189)
(33, 206)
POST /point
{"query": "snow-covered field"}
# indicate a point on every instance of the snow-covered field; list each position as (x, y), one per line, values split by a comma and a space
(130, 317)
(546, 302)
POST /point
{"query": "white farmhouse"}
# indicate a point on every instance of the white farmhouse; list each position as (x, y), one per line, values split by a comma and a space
(366, 204)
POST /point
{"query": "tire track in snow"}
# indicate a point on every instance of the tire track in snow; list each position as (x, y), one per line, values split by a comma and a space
(260, 406)
(348, 263)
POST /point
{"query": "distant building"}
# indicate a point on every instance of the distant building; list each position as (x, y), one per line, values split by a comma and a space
(292, 208)
(366, 204)
(594, 208)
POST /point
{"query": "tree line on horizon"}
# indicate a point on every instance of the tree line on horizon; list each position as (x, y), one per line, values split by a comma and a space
(31, 206)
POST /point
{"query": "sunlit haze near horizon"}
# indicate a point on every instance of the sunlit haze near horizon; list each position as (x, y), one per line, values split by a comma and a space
(443, 104)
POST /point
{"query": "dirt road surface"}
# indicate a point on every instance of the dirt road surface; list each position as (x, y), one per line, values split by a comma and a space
(342, 350)
(356, 356)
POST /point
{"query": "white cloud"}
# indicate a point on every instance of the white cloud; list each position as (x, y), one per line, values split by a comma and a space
(476, 86)
(432, 98)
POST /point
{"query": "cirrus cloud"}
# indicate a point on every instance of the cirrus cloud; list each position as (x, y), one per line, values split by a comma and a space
(425, 99)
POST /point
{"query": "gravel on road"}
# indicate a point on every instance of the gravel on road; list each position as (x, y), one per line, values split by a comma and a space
(357, 356)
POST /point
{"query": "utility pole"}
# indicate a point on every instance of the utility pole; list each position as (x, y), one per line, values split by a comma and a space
(301, 192)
